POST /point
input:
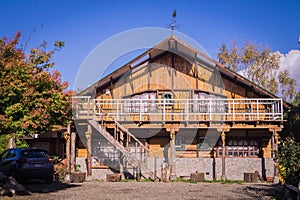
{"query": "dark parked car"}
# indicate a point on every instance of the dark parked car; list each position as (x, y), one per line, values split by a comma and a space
(27, 163)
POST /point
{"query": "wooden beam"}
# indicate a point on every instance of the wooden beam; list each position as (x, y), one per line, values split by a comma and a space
(67, 138)
(88, 135)
(223, 137)
(73, 151)
(172, 155)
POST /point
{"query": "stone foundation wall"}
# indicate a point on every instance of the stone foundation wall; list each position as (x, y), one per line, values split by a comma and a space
(212, 168)
(235, 167)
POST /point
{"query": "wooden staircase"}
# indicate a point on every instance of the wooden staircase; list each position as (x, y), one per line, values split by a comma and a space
(139, 160)
(133, 149)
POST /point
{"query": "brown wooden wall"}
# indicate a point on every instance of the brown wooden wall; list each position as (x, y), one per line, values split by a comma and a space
(188, 77)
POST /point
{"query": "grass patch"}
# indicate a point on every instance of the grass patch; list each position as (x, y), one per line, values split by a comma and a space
(146, 180)
(224, 181)
(128, 180)
(183, 180)
(209, 181)
(134, 180)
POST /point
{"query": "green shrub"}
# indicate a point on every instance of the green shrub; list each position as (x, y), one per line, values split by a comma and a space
(288, 158)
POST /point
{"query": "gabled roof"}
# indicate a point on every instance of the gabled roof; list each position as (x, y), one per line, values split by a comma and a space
(181, 46)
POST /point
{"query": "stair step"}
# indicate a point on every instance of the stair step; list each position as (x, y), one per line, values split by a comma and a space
(133, 159)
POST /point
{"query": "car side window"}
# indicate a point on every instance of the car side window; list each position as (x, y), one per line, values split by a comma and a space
(12, 153)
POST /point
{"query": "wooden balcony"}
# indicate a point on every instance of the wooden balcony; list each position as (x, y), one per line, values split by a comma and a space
(179, 110)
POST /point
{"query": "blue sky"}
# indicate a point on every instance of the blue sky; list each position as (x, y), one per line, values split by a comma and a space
(85, 24)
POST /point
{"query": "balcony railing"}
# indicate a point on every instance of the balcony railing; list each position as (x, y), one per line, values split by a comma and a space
(163, 110)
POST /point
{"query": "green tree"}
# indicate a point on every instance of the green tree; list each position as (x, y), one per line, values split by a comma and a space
(292, 126)
(33, 98)
(288, 157)
(261, 66)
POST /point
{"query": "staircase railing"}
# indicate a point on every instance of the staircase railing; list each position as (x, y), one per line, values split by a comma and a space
(123, 139)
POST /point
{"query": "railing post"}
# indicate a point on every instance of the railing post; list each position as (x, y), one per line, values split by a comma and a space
(257, 110)
(121, 109)
(164, 111)
(99, 111)
(77, 111)
(154, 168)
(210, 117)
(228, 109)
(88, 108)
(187, 110)
(281, 111)
(140, 109)
(117, 110)
(94, 109)
(233, 109)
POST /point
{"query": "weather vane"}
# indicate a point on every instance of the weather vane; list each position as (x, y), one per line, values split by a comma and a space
(173, 25)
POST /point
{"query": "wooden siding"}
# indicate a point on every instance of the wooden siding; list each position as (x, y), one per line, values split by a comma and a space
(188, 77)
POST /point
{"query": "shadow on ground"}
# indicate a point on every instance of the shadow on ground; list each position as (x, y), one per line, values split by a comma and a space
(274, 191)
(36, 186)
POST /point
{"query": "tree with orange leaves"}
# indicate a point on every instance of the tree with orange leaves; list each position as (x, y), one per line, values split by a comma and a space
(33, 98)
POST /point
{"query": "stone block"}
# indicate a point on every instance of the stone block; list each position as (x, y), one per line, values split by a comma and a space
(113, 177)
(197, 177)
(77, 177)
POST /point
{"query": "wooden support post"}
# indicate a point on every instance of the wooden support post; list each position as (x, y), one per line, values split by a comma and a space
(275, 142)
(121, 164)
(67, 138)
(135, 150)
(154, 168)
(276, 135)
(115, 132)
(68, 164)
(73, 151)
(223, 137)
(146, 154)
(88, 135)
(141, 153)
(139, 170)
(138, 178)
(273, 145)
(172, 155)
(127, 142)
(197, 145)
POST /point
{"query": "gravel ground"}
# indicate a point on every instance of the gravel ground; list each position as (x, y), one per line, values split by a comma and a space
(147, 190)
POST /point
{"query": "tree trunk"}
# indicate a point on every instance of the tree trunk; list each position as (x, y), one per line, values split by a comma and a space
(11, 142)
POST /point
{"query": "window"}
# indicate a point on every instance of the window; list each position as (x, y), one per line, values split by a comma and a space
(200, 102)
(239, 148)
(203, 143)
(217, 104)
(34, 153)
(12, 153)
(179, 143)
(205, 103)
(144, 103)
(167, 98)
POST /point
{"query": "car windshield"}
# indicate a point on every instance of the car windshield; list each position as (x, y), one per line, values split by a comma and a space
(34, 153)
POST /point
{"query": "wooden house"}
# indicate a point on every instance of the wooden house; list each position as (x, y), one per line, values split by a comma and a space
(175, 106)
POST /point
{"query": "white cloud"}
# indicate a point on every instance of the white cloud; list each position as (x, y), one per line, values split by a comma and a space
(291, 61)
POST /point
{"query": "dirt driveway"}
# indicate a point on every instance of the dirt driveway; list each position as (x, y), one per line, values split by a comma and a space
(147, 190)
